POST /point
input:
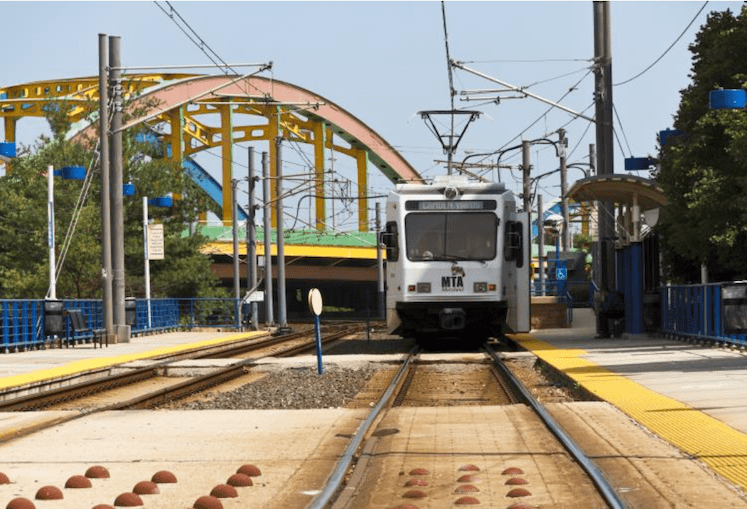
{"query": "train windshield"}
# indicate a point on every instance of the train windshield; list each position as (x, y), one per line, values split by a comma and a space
(444, 236)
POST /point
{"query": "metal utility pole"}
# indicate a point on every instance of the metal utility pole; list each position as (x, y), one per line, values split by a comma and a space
(266, 196)
(235, 236)
(106, 232)
(115, 193)
(603, 114)
(595, 245)
(50, 233)
(251, 241)
(282, 318)
(562, 148)
(541, 246)
(380, 266)
(526, 167)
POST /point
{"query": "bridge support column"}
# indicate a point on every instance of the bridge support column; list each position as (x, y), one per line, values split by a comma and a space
(320, 142)
(176, 121)
(226, 132)
(10, 135)
(273, 132)
(362, 160)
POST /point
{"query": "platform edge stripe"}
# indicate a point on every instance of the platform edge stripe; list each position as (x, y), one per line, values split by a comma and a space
(103, 362)
(718, 445)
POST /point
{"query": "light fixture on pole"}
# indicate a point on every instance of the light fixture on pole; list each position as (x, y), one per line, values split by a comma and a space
(70, 173)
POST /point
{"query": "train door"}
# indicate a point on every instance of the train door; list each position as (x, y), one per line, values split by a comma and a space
(517, 264)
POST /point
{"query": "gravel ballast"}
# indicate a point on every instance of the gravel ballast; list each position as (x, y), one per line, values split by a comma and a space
(293, 388)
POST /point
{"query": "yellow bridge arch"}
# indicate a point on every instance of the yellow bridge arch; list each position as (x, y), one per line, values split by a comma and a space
(188, 105)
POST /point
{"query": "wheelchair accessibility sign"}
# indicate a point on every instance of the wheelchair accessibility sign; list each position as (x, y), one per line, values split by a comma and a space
(561, 273)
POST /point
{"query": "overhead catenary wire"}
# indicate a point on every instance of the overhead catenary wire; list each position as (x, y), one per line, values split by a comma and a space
(200, 42)
(619, 122)
(452, 91)
(560, 76)
(78, 209)
(212, 55)
(552, 107)
(526, 61)
(665, 51)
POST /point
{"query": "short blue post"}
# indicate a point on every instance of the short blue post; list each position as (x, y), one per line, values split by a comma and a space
(315, 305)
(318, 334)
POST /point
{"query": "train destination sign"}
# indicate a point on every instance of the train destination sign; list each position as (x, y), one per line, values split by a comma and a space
(450, 205)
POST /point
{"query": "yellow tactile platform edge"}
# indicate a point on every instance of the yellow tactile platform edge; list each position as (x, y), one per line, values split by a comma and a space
(103, 362)
(721, 447)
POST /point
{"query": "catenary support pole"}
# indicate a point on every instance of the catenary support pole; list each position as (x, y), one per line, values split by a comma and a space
(562, 148)
(115, 189)
(251, 240)
(106, 231)
(604, 141)
(266, 196)
(235, 236)
(541, 244)
(280, 241)
(526, 168)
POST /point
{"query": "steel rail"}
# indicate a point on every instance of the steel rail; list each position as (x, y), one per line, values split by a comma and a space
(343, 464)
(332, 337)
(184, 389)
(606, 490)
(47, 398)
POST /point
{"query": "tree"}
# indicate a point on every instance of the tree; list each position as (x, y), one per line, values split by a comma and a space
(704, 171)
(24, 266)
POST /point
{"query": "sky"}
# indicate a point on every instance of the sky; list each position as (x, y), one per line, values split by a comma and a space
(386, 61)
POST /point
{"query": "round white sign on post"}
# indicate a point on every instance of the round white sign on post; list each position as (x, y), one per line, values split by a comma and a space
(315, 301)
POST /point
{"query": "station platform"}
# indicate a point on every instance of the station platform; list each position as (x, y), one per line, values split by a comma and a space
(693, 396)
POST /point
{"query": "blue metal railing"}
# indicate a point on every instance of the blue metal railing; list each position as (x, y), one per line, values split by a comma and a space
(22, 322)
(698, 311)
(716, 311)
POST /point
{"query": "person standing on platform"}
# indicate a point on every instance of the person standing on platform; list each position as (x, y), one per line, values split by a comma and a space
(608, 305)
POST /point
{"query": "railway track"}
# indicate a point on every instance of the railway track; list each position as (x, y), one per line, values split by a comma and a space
(99, 381)
(445, 430)
(347, 485)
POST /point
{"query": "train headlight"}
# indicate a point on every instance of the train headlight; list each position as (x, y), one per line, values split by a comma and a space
(451, 192)
(424, 288)
(481, 287)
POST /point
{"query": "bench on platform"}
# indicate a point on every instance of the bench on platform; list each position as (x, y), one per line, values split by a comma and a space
(80, 325)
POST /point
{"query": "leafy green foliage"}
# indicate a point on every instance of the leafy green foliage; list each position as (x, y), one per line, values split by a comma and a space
(24, 265)
(704, 171)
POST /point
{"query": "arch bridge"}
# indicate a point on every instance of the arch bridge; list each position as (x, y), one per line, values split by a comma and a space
(193, 113)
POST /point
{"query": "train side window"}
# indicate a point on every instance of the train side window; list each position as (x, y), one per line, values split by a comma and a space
(390, 238)
(514, 243)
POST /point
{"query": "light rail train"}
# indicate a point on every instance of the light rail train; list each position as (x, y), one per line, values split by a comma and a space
(457, 260)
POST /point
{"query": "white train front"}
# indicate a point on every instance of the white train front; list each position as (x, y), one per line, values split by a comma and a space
(457, 260)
